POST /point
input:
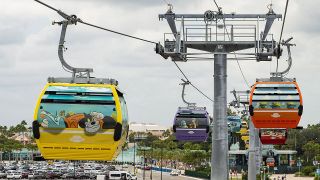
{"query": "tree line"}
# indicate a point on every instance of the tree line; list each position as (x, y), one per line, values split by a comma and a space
(306, 142)
(7, 144)
(193, 155)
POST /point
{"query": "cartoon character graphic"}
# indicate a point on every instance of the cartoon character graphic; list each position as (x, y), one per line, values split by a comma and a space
(72, 121)
(92, 126)
(91, 122)
(48, 120)
(97, 116)
(95, 123)
(45, 122)
(105, 122)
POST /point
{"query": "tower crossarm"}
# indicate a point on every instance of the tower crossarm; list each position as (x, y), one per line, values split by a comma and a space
(223, 16)
(192, 35)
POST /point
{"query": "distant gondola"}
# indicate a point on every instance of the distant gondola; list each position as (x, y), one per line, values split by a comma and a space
(273, 136)
(191, 124)
(270, 161)
(234, 123)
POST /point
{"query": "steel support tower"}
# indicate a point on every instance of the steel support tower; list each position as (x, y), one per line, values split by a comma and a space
(254, 151)
(213, 35)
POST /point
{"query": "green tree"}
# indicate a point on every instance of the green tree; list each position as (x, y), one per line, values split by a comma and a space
(299, 140)
(166, 133)
(195, 157)
(24, 123)
(131, 137)
(8, 145)
(311, 149)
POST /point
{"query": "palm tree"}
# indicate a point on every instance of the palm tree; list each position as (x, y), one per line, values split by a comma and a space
(21, 129)
(32, 148)
(24, 123)
(5, 130)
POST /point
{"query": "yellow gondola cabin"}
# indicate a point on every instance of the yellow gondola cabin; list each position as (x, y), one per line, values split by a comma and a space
(80, 121)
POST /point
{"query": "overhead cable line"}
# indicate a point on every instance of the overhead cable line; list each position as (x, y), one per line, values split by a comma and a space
(116, 32)
(242, 74)
(236, 58)
(283, 22)
(184, 75)
(218, 7)
(92, 25)
(73, 18)
(244, 78)
(165, 1)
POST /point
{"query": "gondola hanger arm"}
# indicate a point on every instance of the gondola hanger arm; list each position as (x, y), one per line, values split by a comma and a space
(289, 60)
(183, 94)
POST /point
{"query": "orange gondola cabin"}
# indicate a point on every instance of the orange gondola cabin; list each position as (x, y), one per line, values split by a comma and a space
(275, 104)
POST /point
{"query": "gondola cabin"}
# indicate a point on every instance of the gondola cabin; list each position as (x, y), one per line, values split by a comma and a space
(245, 136)
(80, 121)
(270, 161)
(244, 127)
(191, 124)
(273, 136)
(275, 104)
(234, 123)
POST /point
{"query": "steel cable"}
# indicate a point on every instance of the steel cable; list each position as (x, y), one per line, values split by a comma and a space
(284, 20)
(73, 20)
(184, 75)
(243, 76)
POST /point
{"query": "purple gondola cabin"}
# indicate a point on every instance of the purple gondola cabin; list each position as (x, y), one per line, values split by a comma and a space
(191, 124)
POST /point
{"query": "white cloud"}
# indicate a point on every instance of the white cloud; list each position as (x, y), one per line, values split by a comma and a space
(28, 54)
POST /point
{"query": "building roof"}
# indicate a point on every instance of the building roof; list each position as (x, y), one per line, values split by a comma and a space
(21, 137)
(238, 152)
(264, 153)
(144, 127)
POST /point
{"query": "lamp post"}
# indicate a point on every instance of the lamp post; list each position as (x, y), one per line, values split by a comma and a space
(137, 137)
(144, 149)
(144, 164)
(74, 169)
(151, 162)
(161, 163)
(122, 156)
(134, 156)
(299, 165)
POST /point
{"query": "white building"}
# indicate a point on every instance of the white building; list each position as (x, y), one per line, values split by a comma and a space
(154, 129)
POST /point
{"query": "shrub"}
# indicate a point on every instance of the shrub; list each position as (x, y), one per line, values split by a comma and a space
(198, 174)
(244, 176)
(308, 170)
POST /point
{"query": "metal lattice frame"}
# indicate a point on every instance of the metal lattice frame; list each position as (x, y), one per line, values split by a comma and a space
(202, 35)
(205, 32)
(254, 151)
